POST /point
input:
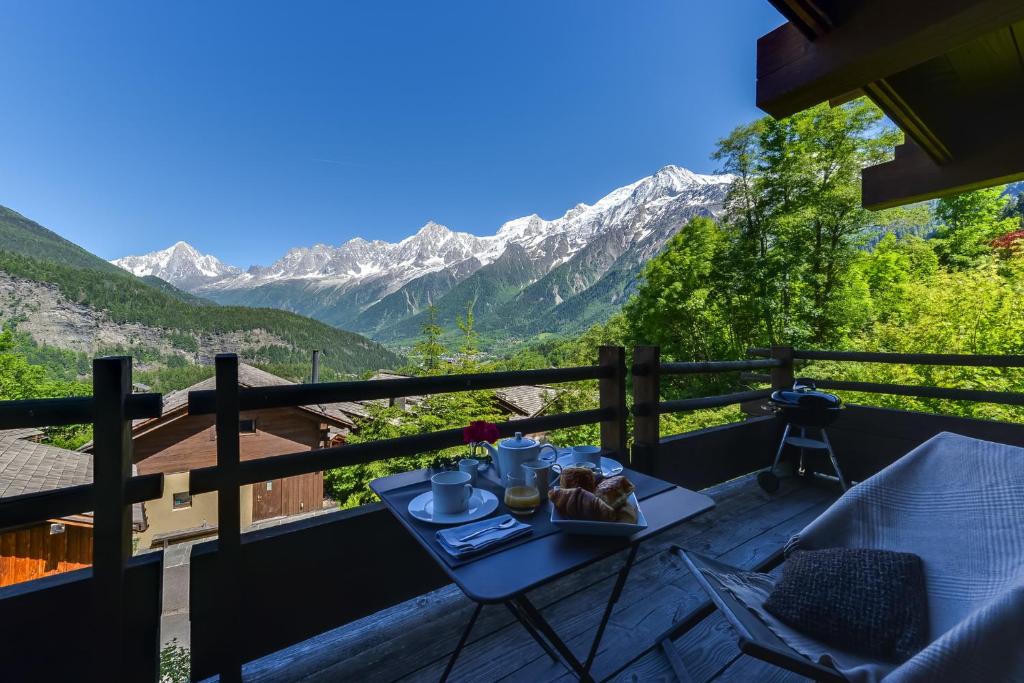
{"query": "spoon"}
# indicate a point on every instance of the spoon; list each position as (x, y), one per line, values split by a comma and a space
(504, 525)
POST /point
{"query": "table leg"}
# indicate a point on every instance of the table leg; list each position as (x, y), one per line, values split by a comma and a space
(462, 642)
(534, 615)
(532, 631)
(612, 599)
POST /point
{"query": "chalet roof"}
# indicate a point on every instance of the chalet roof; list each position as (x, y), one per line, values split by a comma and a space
(527, 400)
(949, 74)
(30, 467)
(248, 376)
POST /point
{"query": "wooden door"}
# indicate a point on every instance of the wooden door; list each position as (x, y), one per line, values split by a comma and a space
(266, 500)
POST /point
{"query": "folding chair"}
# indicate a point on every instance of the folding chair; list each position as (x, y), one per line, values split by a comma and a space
(755, 639)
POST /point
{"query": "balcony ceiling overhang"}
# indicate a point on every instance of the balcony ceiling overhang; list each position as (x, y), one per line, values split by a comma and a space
(949, 73)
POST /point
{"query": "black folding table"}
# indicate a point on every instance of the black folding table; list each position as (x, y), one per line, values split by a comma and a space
(505, 575)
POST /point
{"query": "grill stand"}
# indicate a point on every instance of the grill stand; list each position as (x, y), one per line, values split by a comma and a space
(769, 481)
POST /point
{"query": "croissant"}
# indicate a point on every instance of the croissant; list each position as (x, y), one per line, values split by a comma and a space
(577, 477)
(579, 503)
(615, 491)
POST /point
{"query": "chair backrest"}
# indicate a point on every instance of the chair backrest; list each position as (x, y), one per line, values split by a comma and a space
(755, 638)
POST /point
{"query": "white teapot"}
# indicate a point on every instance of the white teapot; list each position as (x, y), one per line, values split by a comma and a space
(511, 453)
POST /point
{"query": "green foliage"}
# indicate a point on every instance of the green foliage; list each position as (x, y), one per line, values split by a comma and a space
(349, 486)
(175, 663)
(20, 380)
(127, 299)
(429, 352)
(969, 223)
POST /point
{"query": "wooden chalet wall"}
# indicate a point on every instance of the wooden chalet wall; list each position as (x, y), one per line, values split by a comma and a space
(189, 442)
(32, 552)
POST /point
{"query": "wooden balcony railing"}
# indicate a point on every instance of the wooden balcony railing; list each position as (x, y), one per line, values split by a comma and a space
(228, 572)
(111, 409)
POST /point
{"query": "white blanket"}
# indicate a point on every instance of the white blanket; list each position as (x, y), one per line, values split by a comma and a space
(958, 503)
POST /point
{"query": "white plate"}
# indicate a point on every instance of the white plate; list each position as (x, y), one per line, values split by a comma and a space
(609, 466)
(592, 528)
(481, 504)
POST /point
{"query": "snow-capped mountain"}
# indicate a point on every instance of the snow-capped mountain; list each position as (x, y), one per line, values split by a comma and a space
(530, 266)
(181, 264)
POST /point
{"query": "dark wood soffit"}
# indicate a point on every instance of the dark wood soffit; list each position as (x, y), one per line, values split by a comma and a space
(913, 176)
(878, 39)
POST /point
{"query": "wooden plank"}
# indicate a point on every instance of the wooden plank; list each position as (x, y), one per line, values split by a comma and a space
(745, 669)
(229, 555)
(351, 564)
(397, 646)
(205, 479)
(112, 533)
(781, 377)
(879, 38)
(912, 176)
(390, 643)
(703, 650)
(703, 458)
(646, 395)
(958, 359)
(46, 625)
(612, 399)
(280, 396)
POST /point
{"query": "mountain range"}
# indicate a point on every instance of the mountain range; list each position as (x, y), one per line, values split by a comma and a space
(532, 275)
(63, 297)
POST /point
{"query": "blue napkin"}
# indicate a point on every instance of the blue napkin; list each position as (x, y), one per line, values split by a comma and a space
(449, 538)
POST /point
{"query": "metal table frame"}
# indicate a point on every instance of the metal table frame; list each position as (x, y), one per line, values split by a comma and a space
(545, 559)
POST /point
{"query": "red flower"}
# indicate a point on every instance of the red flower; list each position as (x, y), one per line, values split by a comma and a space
(480, 430)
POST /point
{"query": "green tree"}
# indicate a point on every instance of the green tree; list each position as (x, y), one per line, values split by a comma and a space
(20, 380)
(676, 305)
(794, 221)
(969, 223)
(429, 352)
(469, 349)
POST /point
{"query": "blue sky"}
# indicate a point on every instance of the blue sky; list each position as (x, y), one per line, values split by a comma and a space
(248, 128)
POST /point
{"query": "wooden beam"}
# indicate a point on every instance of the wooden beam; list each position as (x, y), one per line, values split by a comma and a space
(900, 113)
(805, 15)
(913, 176)
(879, 39)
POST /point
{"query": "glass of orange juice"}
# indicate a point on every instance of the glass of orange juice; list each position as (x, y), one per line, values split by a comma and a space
(521, 494)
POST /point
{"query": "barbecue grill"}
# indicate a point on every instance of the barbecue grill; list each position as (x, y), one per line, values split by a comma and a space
(804, 408)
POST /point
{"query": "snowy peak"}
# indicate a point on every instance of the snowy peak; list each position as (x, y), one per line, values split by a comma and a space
(181, 264)
(671, 191)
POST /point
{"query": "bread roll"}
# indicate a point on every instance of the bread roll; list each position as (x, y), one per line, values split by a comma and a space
(626, 514)
(577, 477)
(579, 503)
(615, 491)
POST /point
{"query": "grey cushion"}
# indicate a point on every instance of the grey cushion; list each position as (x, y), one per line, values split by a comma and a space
(869, 602)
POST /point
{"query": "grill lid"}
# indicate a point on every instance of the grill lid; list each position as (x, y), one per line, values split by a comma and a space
(805, 395)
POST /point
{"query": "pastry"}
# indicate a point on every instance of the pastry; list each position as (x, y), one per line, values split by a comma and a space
(577, 477)
(615, 491)
(577, 503)
(626, 514)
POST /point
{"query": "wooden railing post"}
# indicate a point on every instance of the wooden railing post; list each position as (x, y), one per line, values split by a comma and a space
(229, 531)
(612, 393)
(782, 376)
(112, 516)
(646, 394)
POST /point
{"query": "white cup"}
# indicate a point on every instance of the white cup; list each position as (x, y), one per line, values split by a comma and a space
(472, 466)
(451, 492)
(585, 454)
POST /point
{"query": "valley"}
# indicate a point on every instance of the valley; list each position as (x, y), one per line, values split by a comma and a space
(532, 276)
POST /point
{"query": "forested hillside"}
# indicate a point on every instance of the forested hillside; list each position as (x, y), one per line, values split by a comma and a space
(187, 326)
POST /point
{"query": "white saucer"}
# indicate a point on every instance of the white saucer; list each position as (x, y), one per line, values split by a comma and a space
(481, 504)
(609, 466)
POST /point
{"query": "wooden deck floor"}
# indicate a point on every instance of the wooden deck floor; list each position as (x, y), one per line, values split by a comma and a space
(412, 641)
